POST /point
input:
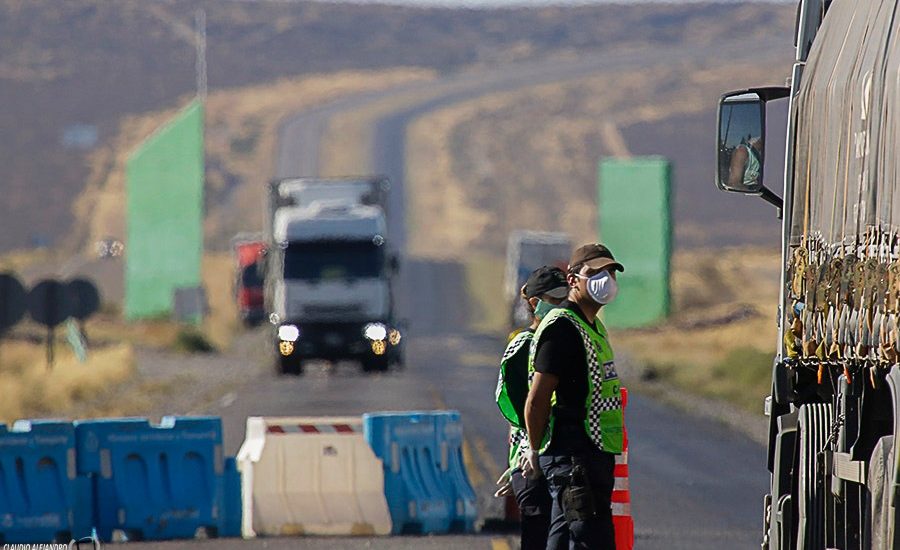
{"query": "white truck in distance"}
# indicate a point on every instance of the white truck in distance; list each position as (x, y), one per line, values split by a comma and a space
(329, 283)
(525, 252)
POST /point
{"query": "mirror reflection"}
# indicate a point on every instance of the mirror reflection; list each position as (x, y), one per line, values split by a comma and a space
(741, 144)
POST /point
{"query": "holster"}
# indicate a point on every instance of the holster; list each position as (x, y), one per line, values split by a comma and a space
(577, 496)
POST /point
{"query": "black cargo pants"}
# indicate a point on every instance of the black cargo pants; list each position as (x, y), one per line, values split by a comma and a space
(595, 532)
(533, 498)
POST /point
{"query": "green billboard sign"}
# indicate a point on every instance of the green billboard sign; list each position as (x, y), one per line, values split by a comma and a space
(165, 215)
(635, 222)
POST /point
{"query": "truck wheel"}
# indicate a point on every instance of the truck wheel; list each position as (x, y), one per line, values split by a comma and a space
(290, 365)
(812, 485)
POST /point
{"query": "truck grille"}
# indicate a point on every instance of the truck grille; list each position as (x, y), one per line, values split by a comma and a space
(328, 311)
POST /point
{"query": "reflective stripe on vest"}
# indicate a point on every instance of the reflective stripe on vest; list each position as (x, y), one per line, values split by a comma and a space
(518, 439)
(507, 408)
(518, 442)
(603, 407)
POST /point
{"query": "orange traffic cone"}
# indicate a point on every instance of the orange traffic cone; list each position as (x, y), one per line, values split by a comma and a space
(621, 497)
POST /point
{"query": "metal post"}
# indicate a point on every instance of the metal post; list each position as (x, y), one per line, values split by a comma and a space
(200, 64)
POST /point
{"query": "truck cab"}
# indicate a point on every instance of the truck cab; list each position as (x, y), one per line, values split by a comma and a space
(331, 273)
(526, 251)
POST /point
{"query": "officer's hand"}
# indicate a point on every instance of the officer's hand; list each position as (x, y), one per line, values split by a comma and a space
(504, 490)
(504, 478)
(504, 484)
(529, 464)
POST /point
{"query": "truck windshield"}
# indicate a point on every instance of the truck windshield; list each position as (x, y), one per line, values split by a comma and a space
(333, 260)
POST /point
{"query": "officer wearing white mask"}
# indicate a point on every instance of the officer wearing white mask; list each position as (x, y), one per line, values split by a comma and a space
(573, 412)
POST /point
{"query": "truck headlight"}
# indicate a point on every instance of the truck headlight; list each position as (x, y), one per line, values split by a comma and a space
(375, 332)
(394, 336)
(288, 333)
(379, 347)
(285, 348)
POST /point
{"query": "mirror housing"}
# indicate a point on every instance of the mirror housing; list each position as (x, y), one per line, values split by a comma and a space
(740, 141)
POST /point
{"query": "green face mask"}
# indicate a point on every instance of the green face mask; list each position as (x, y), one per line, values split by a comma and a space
(542, 309)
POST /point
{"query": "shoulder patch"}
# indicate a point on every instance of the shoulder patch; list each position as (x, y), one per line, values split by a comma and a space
(609, 370)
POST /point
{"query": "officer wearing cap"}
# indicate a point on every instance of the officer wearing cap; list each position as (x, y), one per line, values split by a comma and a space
(573, 412)
(545, 288)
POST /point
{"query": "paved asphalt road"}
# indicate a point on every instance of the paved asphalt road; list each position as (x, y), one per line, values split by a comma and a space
(694, 484)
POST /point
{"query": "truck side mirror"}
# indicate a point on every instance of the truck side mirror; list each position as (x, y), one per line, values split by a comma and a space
(740, 143)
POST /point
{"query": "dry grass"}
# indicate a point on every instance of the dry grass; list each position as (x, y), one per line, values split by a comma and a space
(484, 279)
(222, 322)
(17, 260)
(29, 389)
(109, 328)
(696, 348)
(347, 141)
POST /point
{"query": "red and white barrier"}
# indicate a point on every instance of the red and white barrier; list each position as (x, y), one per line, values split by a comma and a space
(315, 476)
(293, 428)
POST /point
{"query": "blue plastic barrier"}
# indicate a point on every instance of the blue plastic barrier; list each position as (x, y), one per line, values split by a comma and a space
(153, 482)
(425, 481)
(230, 525)
(41, 497)
(449, 430)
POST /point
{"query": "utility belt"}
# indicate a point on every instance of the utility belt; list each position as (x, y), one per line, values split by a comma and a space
(569, 434)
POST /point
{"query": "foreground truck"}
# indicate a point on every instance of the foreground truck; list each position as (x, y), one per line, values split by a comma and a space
(525, 252)
(330, 273)
(833, 410)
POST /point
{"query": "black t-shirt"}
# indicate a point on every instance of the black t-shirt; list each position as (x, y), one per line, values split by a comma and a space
(517, 377)
(560, 352)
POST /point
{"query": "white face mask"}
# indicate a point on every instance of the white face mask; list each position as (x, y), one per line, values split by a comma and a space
(602, 288)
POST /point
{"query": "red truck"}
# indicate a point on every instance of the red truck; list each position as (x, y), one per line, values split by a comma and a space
(248, 282)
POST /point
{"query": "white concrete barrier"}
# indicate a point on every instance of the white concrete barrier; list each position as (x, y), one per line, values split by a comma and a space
(310, 475)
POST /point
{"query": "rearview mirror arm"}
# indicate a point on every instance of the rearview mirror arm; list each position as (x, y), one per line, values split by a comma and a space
(773, 199)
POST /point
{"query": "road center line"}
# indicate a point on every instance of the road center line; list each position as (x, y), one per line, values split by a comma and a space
(486, 458)
(476, 474)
